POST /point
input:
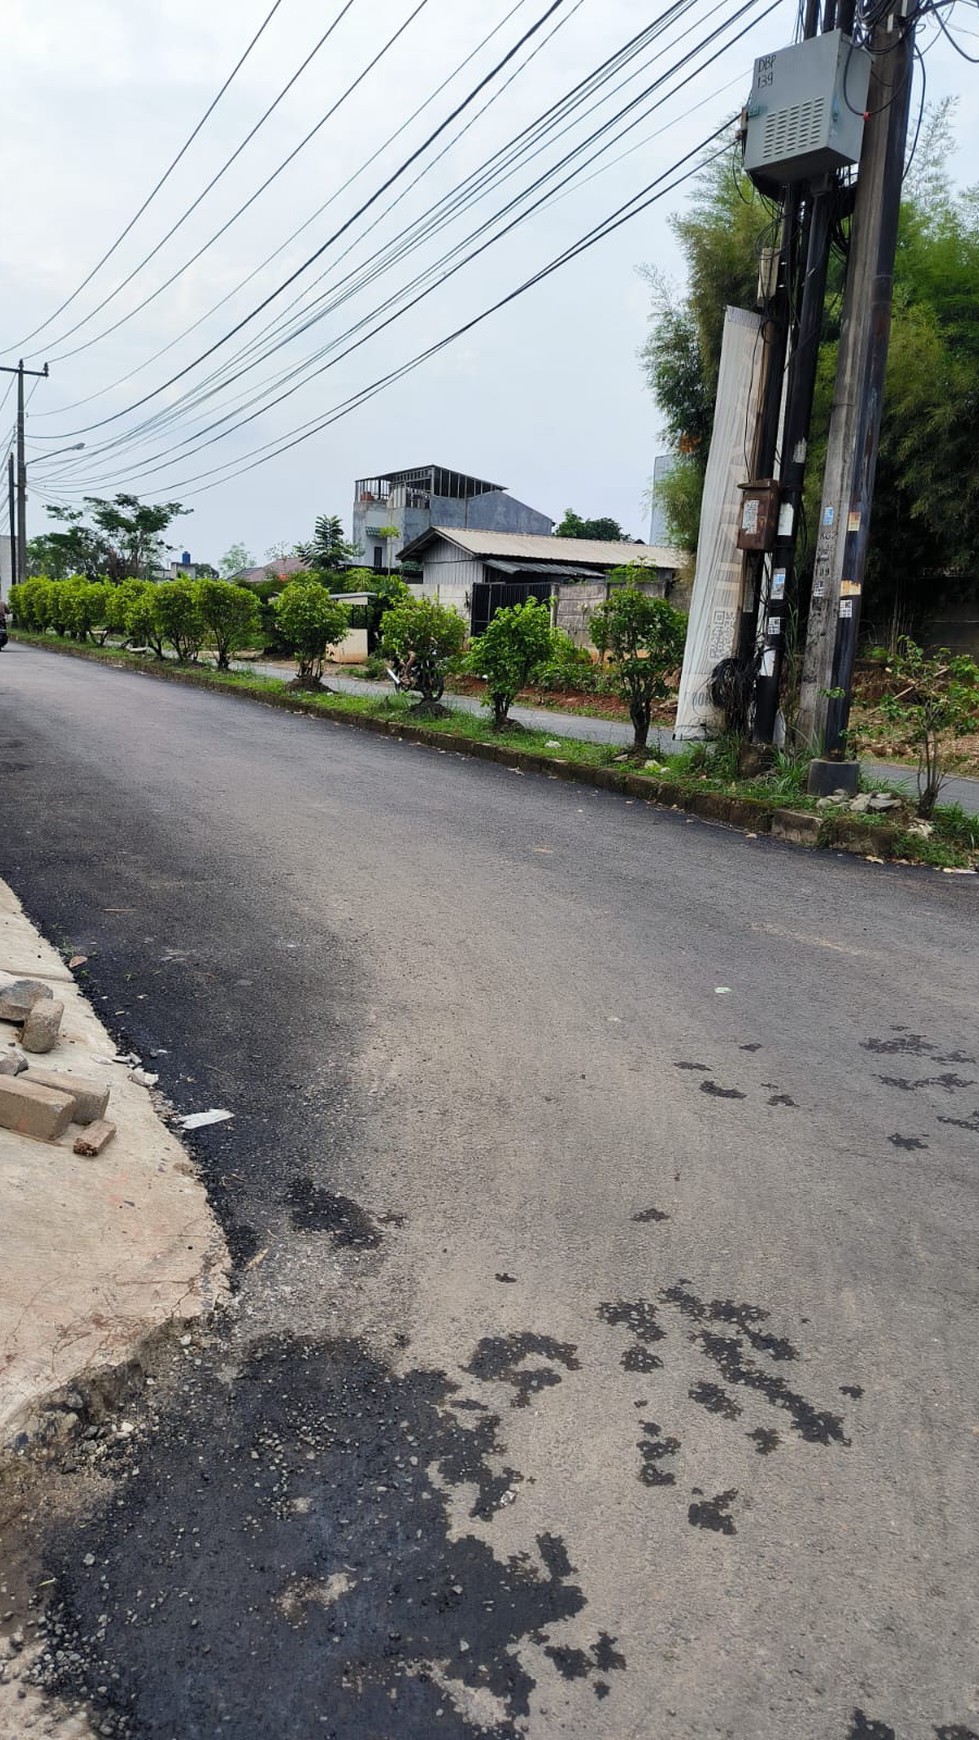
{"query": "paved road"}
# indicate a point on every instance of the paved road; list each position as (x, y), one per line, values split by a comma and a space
(592, 730)
(604, 1190)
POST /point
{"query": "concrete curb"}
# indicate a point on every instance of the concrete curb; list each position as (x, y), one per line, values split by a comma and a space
(96, 1255)
(837, 833)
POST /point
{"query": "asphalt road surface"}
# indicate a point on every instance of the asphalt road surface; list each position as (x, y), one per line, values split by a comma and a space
(603, 1187)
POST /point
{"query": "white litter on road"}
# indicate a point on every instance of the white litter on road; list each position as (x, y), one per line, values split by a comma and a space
(197, 1120)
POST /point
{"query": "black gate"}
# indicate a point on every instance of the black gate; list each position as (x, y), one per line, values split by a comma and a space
(489, 596)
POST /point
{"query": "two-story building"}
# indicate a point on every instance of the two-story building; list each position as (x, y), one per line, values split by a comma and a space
(394, 509)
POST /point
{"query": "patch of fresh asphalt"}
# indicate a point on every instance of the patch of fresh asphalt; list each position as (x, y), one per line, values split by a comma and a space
(604, 1189)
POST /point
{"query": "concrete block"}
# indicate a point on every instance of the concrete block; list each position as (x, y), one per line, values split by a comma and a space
(42, 1026)
(12, 1063)
(95, 1139)
(32, 1110)
(17, 1000)
(799, 827)
(90, 1097)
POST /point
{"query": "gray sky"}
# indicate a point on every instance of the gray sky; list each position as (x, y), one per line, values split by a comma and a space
(546, 396)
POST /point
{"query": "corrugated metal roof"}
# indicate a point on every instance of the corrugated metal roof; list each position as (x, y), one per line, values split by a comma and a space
(530, 547)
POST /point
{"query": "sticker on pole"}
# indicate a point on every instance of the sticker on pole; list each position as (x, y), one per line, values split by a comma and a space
(778, 584)
(846, 607)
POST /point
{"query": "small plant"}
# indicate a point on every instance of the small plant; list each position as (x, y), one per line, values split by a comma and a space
(139, 617)
(310, 622)
(231, 617)
(515, 643)
(423, 637)
(934, 701)
(642, 638)
(568, 666)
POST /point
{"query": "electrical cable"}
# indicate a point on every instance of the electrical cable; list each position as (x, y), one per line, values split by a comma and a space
(345, 8)
(128, 437)
(256, 270)
(208, 112)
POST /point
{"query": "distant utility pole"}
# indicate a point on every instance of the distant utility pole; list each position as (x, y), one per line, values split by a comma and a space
(20, 540)
(15, 573)
(854, 434)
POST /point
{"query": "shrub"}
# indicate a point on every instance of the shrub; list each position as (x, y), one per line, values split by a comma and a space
(516, 642)
(568, 666)
(310, 622)
(643, 641)
(118, 602)
(423, 637)
(935, 700)
(177, 617)
(29, 602)
(230, 615)
(84, 604)
(139, 616)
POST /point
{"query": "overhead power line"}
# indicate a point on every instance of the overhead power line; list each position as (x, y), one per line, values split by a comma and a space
(185, 147)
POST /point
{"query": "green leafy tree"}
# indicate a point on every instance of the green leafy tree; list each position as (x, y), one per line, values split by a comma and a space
(235, 560)
(310, 622)
(139, 616)
(515, 644)
(387, 590)
(423, 637)
(30, 602)
(177, 615)
(934, 698)
(85, 606)
(328, 551)
(642, 639)
(123, 537)
(118, 600)
(606, 531)
(231, 617)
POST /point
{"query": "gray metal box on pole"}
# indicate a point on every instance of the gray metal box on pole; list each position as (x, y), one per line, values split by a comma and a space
(806, 111)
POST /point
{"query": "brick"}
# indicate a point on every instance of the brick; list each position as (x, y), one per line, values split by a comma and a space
(42, 1026)
(18, 999)
(32, 1110)
(90, 1097)
(95, 1139)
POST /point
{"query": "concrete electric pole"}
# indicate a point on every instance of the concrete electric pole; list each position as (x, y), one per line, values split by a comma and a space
(18, 537)
(854, 434)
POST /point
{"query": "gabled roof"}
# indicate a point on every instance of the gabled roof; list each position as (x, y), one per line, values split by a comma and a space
(530, 547)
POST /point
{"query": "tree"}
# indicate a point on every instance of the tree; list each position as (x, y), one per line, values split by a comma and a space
(310, 622)
(513, 647)
(84, 605)
(177, 615)
(235, 560)
(328, 551)
(386, 590)
(573, 526)
(140, 618)
(124, 539)
(423, 636)
(642, 638)
(230, 615)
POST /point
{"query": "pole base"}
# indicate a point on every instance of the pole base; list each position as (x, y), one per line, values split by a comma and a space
(825, 777)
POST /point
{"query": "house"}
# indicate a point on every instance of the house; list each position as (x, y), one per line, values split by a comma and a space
(396, 508)
(479, 572)
(283, 568)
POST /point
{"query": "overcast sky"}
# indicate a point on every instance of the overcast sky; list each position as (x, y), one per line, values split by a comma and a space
(546, 396)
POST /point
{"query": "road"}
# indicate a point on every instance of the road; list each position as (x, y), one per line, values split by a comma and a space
(603, 1187)
(956, 789)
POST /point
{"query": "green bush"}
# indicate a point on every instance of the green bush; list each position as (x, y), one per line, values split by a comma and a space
(139, 616)
(84, 605)
(310, 622)
(423, 637)
(934, 699)
(177, 617)
(643, 639)
(568, 666)
(230, 616)
(120, 598)
(516, 642)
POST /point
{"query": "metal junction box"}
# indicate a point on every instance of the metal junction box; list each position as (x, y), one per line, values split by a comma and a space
(759, 515)
(806, 110)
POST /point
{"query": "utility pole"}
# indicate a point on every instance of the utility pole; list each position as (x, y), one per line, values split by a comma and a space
(854, 435)
(21, 533)
(15, 573)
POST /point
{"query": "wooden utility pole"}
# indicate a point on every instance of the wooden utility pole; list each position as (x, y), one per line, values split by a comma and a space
(854, 434)
(15, 573)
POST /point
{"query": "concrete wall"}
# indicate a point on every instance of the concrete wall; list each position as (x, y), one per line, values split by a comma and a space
(577, 599)
(352, 649)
